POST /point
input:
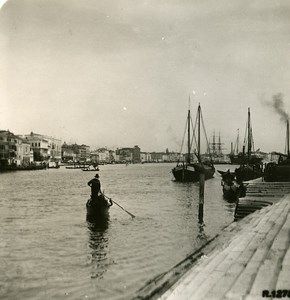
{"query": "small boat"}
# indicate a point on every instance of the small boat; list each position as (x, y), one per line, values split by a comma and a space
(190, 171)
(53, 165)
(280, 172)
(98, 207)
(91, 169)
(232, 188)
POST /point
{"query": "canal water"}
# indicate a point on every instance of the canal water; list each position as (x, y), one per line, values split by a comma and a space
(49, 250)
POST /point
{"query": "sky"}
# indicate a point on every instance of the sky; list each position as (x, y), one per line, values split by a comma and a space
(120, 73)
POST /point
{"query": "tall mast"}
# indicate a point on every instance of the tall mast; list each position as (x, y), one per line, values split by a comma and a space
(238, 141)
(249, 134)
(219, 145)
(287, 139)
(198, 136)
(188, 136)
(213, 143)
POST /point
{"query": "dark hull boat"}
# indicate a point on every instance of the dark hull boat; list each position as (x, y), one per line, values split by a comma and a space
(248, 172)
(241, 158)
(189, 171)
(98, 207)
(277, 172)
(280, 171)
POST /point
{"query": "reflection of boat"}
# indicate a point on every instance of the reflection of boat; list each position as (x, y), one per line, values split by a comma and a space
(250, 164)
(280, 171)
(98, 244)
(98, 207)
(189, 171)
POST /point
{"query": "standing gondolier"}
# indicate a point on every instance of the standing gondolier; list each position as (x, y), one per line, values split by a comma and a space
(95, 185)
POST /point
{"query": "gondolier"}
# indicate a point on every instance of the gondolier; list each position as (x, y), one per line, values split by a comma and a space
(95, 185)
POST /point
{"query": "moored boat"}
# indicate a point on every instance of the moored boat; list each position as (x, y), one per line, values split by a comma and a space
(280, 171)
(250, 165)
(190, 171)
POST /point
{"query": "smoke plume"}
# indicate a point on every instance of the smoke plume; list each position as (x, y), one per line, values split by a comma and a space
(277, 104)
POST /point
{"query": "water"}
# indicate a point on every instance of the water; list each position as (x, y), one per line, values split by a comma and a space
(49, 250)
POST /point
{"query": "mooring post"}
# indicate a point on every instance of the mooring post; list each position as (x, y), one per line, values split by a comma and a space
(201, 198)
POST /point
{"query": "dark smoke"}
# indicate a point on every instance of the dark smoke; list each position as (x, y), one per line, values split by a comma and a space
(277, 104)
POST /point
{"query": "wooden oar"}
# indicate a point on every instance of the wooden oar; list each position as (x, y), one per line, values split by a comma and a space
(120, 207)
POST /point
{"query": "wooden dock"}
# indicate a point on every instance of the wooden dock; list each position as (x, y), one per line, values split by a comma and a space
(248, 260)
(260, 194)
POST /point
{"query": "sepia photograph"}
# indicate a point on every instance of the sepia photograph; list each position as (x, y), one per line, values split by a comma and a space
(144, 149)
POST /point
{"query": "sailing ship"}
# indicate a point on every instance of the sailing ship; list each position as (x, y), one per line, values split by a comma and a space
(249, 157)
(189, 171)
(250, 164)
(216, 151)
(280, 172)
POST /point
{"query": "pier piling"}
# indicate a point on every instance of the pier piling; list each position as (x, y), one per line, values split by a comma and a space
(201, 198)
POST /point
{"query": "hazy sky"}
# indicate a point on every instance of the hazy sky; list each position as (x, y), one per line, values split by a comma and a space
(119, 73)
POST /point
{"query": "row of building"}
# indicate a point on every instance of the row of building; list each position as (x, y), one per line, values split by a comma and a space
(31, 148)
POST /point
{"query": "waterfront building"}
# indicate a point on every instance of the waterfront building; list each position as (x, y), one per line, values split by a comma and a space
(84, 153)
(68, 153)
(14, 150)
(104, 155)
(45, 148)
(157, 156)
(129, 154)
(125, 154)
(113, 156)
(75, 153)
(145, 157)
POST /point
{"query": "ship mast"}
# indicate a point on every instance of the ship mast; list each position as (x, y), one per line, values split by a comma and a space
(238, 141)
(198, 137)
(188, 137)
(287, 139)
(249, 135)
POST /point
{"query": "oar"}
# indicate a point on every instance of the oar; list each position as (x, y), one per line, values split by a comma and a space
(120, 206)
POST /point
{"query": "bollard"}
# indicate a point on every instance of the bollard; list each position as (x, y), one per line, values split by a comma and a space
(201, 198)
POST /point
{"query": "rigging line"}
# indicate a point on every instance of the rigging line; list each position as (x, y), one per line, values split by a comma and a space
(183, 138)
(246, 136)
(193, 133)
(205, 134)
(252, 137)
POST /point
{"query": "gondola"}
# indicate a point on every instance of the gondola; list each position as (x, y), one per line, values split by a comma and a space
(98, 207)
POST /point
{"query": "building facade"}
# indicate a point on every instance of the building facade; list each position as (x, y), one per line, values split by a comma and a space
(45, 148)
(14, 150)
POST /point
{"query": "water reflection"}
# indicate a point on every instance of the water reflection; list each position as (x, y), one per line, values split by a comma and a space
(98, 242)
(201, 233)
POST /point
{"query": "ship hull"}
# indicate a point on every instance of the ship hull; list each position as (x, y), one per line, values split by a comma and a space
(191, 173)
